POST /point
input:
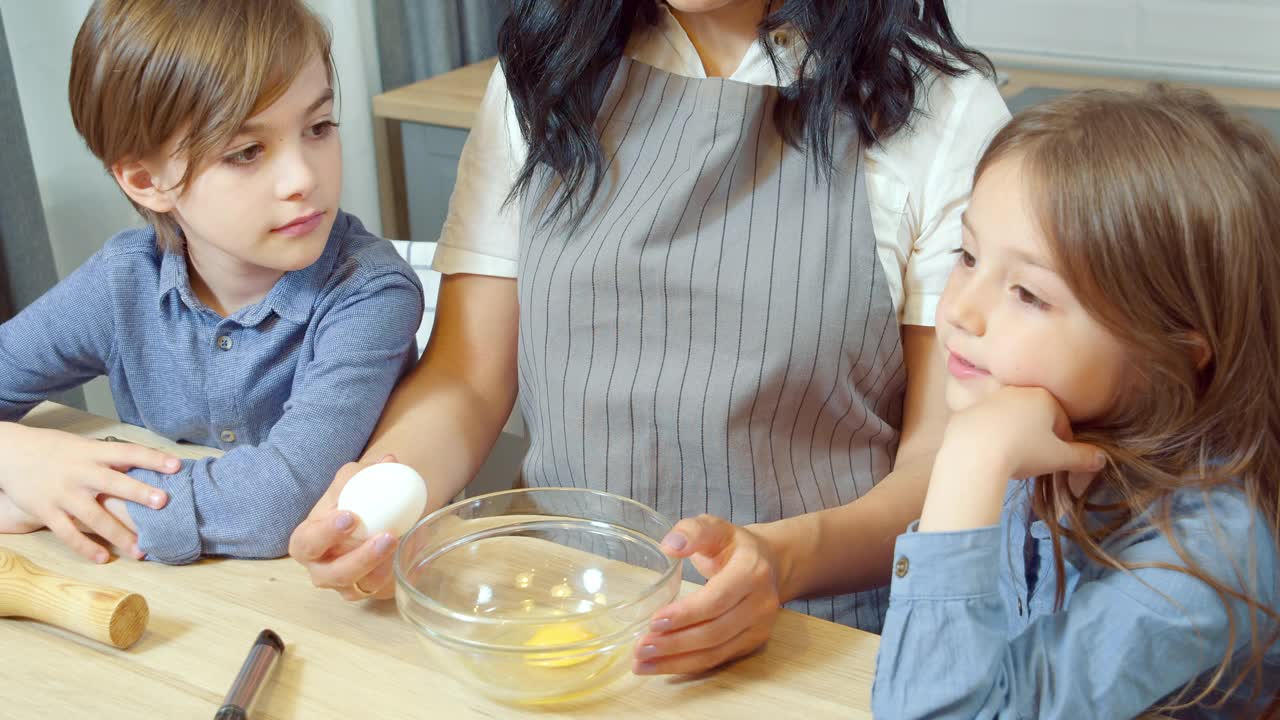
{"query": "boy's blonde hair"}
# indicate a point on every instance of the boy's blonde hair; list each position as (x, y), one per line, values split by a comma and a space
(1160, 210)
(143, 71)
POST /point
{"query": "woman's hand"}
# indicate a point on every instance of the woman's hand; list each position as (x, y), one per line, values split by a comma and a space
(731, 616)
(323, 545)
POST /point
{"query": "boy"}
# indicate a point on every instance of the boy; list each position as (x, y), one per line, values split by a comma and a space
(251, 314)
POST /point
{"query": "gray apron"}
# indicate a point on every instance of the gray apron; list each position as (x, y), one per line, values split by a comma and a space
(716, 334)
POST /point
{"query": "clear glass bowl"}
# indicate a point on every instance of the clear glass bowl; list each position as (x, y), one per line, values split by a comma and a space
(535, 595)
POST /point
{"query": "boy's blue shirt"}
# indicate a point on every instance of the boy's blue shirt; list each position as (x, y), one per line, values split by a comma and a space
(290, 387)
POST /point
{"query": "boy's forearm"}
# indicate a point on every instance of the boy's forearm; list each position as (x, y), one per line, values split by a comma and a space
(12, 412)
(55, 344)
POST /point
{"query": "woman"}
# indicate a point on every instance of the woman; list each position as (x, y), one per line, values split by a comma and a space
(731, 221)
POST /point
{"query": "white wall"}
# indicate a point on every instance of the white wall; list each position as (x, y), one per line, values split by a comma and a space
(82, 204)
(1223, 41)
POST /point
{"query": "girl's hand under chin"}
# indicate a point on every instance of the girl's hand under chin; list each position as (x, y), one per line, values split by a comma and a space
(1016, 432)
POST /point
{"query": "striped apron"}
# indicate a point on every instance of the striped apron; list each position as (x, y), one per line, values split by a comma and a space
(715, 334)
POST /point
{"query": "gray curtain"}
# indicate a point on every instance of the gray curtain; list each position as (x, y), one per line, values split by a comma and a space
(26, 258)
(421, 38)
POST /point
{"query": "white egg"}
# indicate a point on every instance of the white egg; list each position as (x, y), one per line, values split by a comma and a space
(387, 497)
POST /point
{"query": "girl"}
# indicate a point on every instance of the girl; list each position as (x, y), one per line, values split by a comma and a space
(725, 302)
(1119, 282)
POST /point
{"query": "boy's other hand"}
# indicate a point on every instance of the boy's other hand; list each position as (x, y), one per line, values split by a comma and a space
(61, 480)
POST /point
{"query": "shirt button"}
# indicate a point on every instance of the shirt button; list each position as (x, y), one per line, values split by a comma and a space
(228, 436)
(781, 39)
(225, 342)
(900, 568)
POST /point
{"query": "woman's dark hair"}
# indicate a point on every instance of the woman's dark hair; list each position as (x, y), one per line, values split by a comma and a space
(865, 58)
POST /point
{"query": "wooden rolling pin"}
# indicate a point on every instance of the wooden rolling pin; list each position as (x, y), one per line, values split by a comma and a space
(111, 616)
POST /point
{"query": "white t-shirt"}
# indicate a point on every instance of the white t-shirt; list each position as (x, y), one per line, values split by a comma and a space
(918, 181)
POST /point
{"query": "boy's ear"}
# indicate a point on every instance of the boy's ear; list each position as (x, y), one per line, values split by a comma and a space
(144, 188)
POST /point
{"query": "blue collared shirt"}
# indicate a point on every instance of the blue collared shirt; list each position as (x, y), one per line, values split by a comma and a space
(971, 630)
(290, 387)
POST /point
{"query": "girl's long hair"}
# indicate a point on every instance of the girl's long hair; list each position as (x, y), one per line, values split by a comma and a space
(868, 59)
(1161, 212)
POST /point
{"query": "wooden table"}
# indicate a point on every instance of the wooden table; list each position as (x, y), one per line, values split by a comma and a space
(451, 100)
(350, 660)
